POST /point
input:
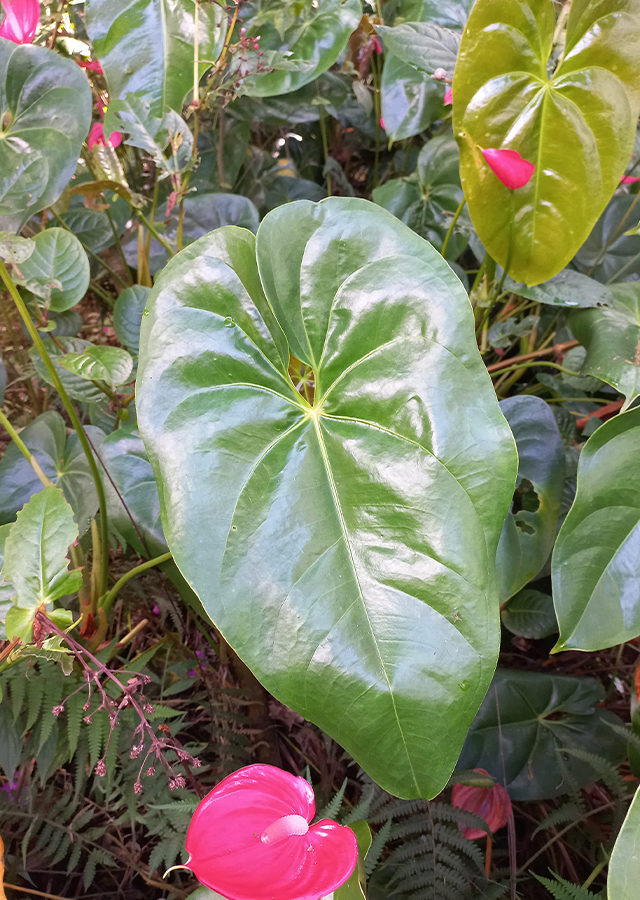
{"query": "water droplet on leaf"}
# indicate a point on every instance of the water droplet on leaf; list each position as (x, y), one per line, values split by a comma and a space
(464, 685)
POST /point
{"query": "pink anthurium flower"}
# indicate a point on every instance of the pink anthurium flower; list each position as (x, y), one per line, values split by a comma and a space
(507, 165)
(491, 804)
(629, 179)
(92, 64)
(97, 137)
(250, 839)
(20, 20)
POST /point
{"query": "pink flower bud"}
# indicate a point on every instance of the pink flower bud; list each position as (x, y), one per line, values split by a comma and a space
(507, 165)
(448, 97)
(264, 846)
(491, 804)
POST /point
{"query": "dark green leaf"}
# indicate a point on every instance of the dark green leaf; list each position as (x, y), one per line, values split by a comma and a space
(35, 551)
(59, 256)
(577, 126)
(612, 339)
(326, 514)
(127, 316)
(530, 528)
(596, 559)
(10, 743)
(530, 614)
(311, 43)
(567, 288)
(147, 50)
(424, 45)
(608, 251)
(528, 719)
(410, 101)
(45, 108)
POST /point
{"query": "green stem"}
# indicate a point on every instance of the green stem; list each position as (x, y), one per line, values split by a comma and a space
(75, 421)
(22, 447)
(598, 868)
(536, 362)
(634, 259)
(325, 141)
(107, 601)
(452, 226)
(154, 231)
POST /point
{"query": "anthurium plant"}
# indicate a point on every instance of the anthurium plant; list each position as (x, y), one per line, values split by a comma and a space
(324, 315)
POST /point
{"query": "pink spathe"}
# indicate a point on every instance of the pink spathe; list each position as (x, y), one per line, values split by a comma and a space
(20, 21)
(507, 165)
(97, 139)
(250, 839)
(491, 804)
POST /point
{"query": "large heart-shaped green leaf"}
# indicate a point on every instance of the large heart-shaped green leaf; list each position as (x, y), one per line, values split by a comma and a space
(612, 339)
(45, 111)
(530, 528)
(624, 866)
(530, 720)
(62, 460)
(299, 42)
(147, 47)
(596, 559)
(424, 45)
(345, 547)
(577, 125)
(59, 257)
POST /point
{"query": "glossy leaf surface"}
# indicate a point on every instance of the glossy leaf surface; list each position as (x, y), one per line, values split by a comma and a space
(125, 459)
(299, 42)
(538, 716)
(608, 251)
(78, 388)
(568, 288)
(529, 530)
(577, 126)
(612, 339)
(328, 564)
(127, 316)
(624, 865)
(530, 614)
(113, 365)
(45, 107)
(59, 257)
(596, 559)
(424, 45)
(62, 460)
(410, 102)
(148, 51)
(36, 548)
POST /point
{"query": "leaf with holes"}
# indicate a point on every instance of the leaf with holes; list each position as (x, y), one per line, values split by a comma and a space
(612, 339)
(577, 125)
(529, 719)
(45, 111)
(330, 513)
(530, 528)
(59, 257)
(596, 559)
(148, 50)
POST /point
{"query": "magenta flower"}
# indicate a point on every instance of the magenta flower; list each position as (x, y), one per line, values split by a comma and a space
(92, 64)
(250, 839)
(491, 804)
(20, 20)
(97, 139)
(448, 97)
(507, 165)
(629, 179)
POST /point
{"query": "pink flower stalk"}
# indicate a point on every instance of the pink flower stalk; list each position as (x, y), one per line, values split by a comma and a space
(448, 97)
(507, 165)
(250, 839)
(97, 137)
(20, 21)
(491, 804)
(629, 179)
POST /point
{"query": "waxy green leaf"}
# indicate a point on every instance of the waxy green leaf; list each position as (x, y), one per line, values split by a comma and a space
(78, 388)
(298, 48)
(424, 45)
(530, 614)
(59, 257)
(612, 339)
(568, 288)
(577, 125)
(527, 719)
(530, 528)
(596, 559)
(127, 316)
(45, 111)
(624, 865)
(148, 50)
(113, 365)
(315, 534)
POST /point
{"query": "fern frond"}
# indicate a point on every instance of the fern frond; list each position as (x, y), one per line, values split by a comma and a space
(604, 769)
(568, 812)
(361, 811)
(391, 807)
(565, 890)
(331, 810)
(376, 848)
(35, 694)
